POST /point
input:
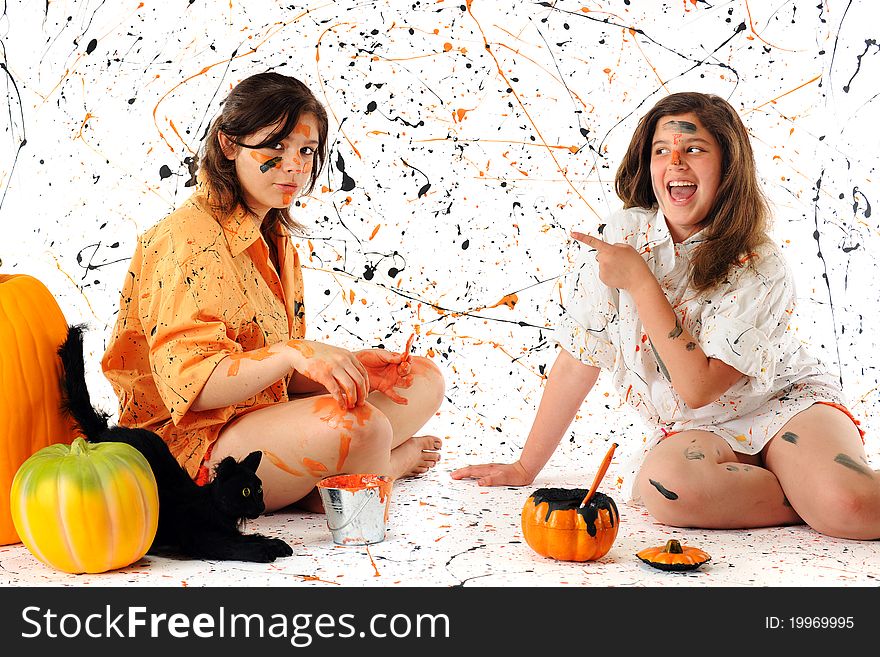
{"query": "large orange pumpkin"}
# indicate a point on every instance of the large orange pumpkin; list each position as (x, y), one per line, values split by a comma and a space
(86, 507)
(555, 524)
(32, 327)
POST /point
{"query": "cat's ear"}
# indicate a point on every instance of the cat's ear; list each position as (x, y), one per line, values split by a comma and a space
(224, 467)
(252, 461)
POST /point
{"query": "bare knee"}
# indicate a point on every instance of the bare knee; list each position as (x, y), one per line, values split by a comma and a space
(368, 428)
(845, 510)
(673, 495)
(430, 380)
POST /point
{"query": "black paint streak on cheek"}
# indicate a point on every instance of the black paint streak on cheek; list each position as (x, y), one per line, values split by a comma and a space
(790, 437)
(270, 164)
(668, 494)
(847, 462)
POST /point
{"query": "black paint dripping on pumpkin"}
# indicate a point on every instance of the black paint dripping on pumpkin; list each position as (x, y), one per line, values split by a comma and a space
(566, 499)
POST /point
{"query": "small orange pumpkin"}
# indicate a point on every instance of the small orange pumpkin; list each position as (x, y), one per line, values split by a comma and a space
(555, 524)
(572, 524)
(673, 556)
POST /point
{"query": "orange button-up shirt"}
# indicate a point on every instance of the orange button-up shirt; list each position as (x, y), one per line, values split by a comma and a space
(200, 287)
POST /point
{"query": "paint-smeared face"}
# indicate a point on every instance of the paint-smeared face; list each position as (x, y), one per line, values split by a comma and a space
(685, 172)
(272, 177)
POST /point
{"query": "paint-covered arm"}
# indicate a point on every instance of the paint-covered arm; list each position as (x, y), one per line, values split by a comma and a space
(567, 386)
(240, 376)
(698, 379)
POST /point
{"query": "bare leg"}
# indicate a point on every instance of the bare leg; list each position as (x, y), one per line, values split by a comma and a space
(820, 462)
(694, 479)
(307, 439)
(413, 455)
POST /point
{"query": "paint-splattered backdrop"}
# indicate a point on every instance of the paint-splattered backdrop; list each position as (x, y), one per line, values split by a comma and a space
(467, 139)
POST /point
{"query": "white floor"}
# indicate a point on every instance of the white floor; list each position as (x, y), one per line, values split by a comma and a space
(445, 533)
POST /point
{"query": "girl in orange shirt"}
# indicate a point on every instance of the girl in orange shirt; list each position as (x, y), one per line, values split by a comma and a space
(208, 349)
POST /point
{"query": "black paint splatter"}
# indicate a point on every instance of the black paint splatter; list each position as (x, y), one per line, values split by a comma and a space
(668, 494)
(348, 182)
(790, 437)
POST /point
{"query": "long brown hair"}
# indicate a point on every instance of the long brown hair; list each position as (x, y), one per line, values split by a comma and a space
(261, 100)
(737, 221)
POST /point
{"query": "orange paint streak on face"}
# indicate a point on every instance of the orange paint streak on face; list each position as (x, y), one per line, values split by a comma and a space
(328, 410)
(315, 468)
(302, 129)
(344, 445)
(258, 354)
(262, 158)
(301, 347)
(281, 465)
(287, 199)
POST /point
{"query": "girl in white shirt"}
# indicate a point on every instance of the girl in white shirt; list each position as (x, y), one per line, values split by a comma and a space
(687, 302)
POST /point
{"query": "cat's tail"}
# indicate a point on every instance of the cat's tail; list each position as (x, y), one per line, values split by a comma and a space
(75, 394)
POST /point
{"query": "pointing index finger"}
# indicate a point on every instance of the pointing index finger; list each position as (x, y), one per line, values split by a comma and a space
(589, 240)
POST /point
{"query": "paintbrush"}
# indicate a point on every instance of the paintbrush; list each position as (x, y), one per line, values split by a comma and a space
(602, 470)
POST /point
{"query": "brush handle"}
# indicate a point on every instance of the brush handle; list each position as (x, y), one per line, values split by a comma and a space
(602, 470)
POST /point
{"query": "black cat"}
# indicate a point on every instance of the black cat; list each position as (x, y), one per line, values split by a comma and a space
(202, 522)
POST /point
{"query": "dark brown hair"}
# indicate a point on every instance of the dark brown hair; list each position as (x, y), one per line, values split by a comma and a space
(738, 219)
(262, 100)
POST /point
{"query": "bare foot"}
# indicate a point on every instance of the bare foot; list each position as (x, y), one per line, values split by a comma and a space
(311, 502)
(415, 456)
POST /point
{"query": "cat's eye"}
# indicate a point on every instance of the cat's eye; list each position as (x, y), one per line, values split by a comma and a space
(246, 492)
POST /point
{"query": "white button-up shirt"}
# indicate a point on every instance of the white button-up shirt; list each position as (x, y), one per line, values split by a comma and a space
(744, 321)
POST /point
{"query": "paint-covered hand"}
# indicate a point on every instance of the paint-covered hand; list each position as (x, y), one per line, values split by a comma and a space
(337, 369)
(386, 371)
(620, 265)
(496, 474)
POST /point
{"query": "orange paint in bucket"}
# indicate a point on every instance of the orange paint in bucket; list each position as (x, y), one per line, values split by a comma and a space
(356, 507)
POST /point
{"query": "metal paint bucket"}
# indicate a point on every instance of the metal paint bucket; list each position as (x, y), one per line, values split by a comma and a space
(357, 507)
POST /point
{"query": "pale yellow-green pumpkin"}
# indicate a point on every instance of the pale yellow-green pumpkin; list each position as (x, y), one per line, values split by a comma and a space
(86, 507)
(32, 327)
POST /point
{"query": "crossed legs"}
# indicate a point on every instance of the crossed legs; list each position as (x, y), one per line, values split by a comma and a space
(814, 470)
(307, 439)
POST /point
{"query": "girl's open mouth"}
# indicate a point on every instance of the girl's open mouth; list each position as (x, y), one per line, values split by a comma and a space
(681, 190)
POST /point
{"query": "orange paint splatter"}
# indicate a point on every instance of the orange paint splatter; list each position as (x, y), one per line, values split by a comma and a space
(257, 354)
(447, 47)
(372, 562)
(302, 129)
(328, 410)
(281, 465)
(508, 300)
(344, 445)
(301, 347)
(375, 230)
(315, 468)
